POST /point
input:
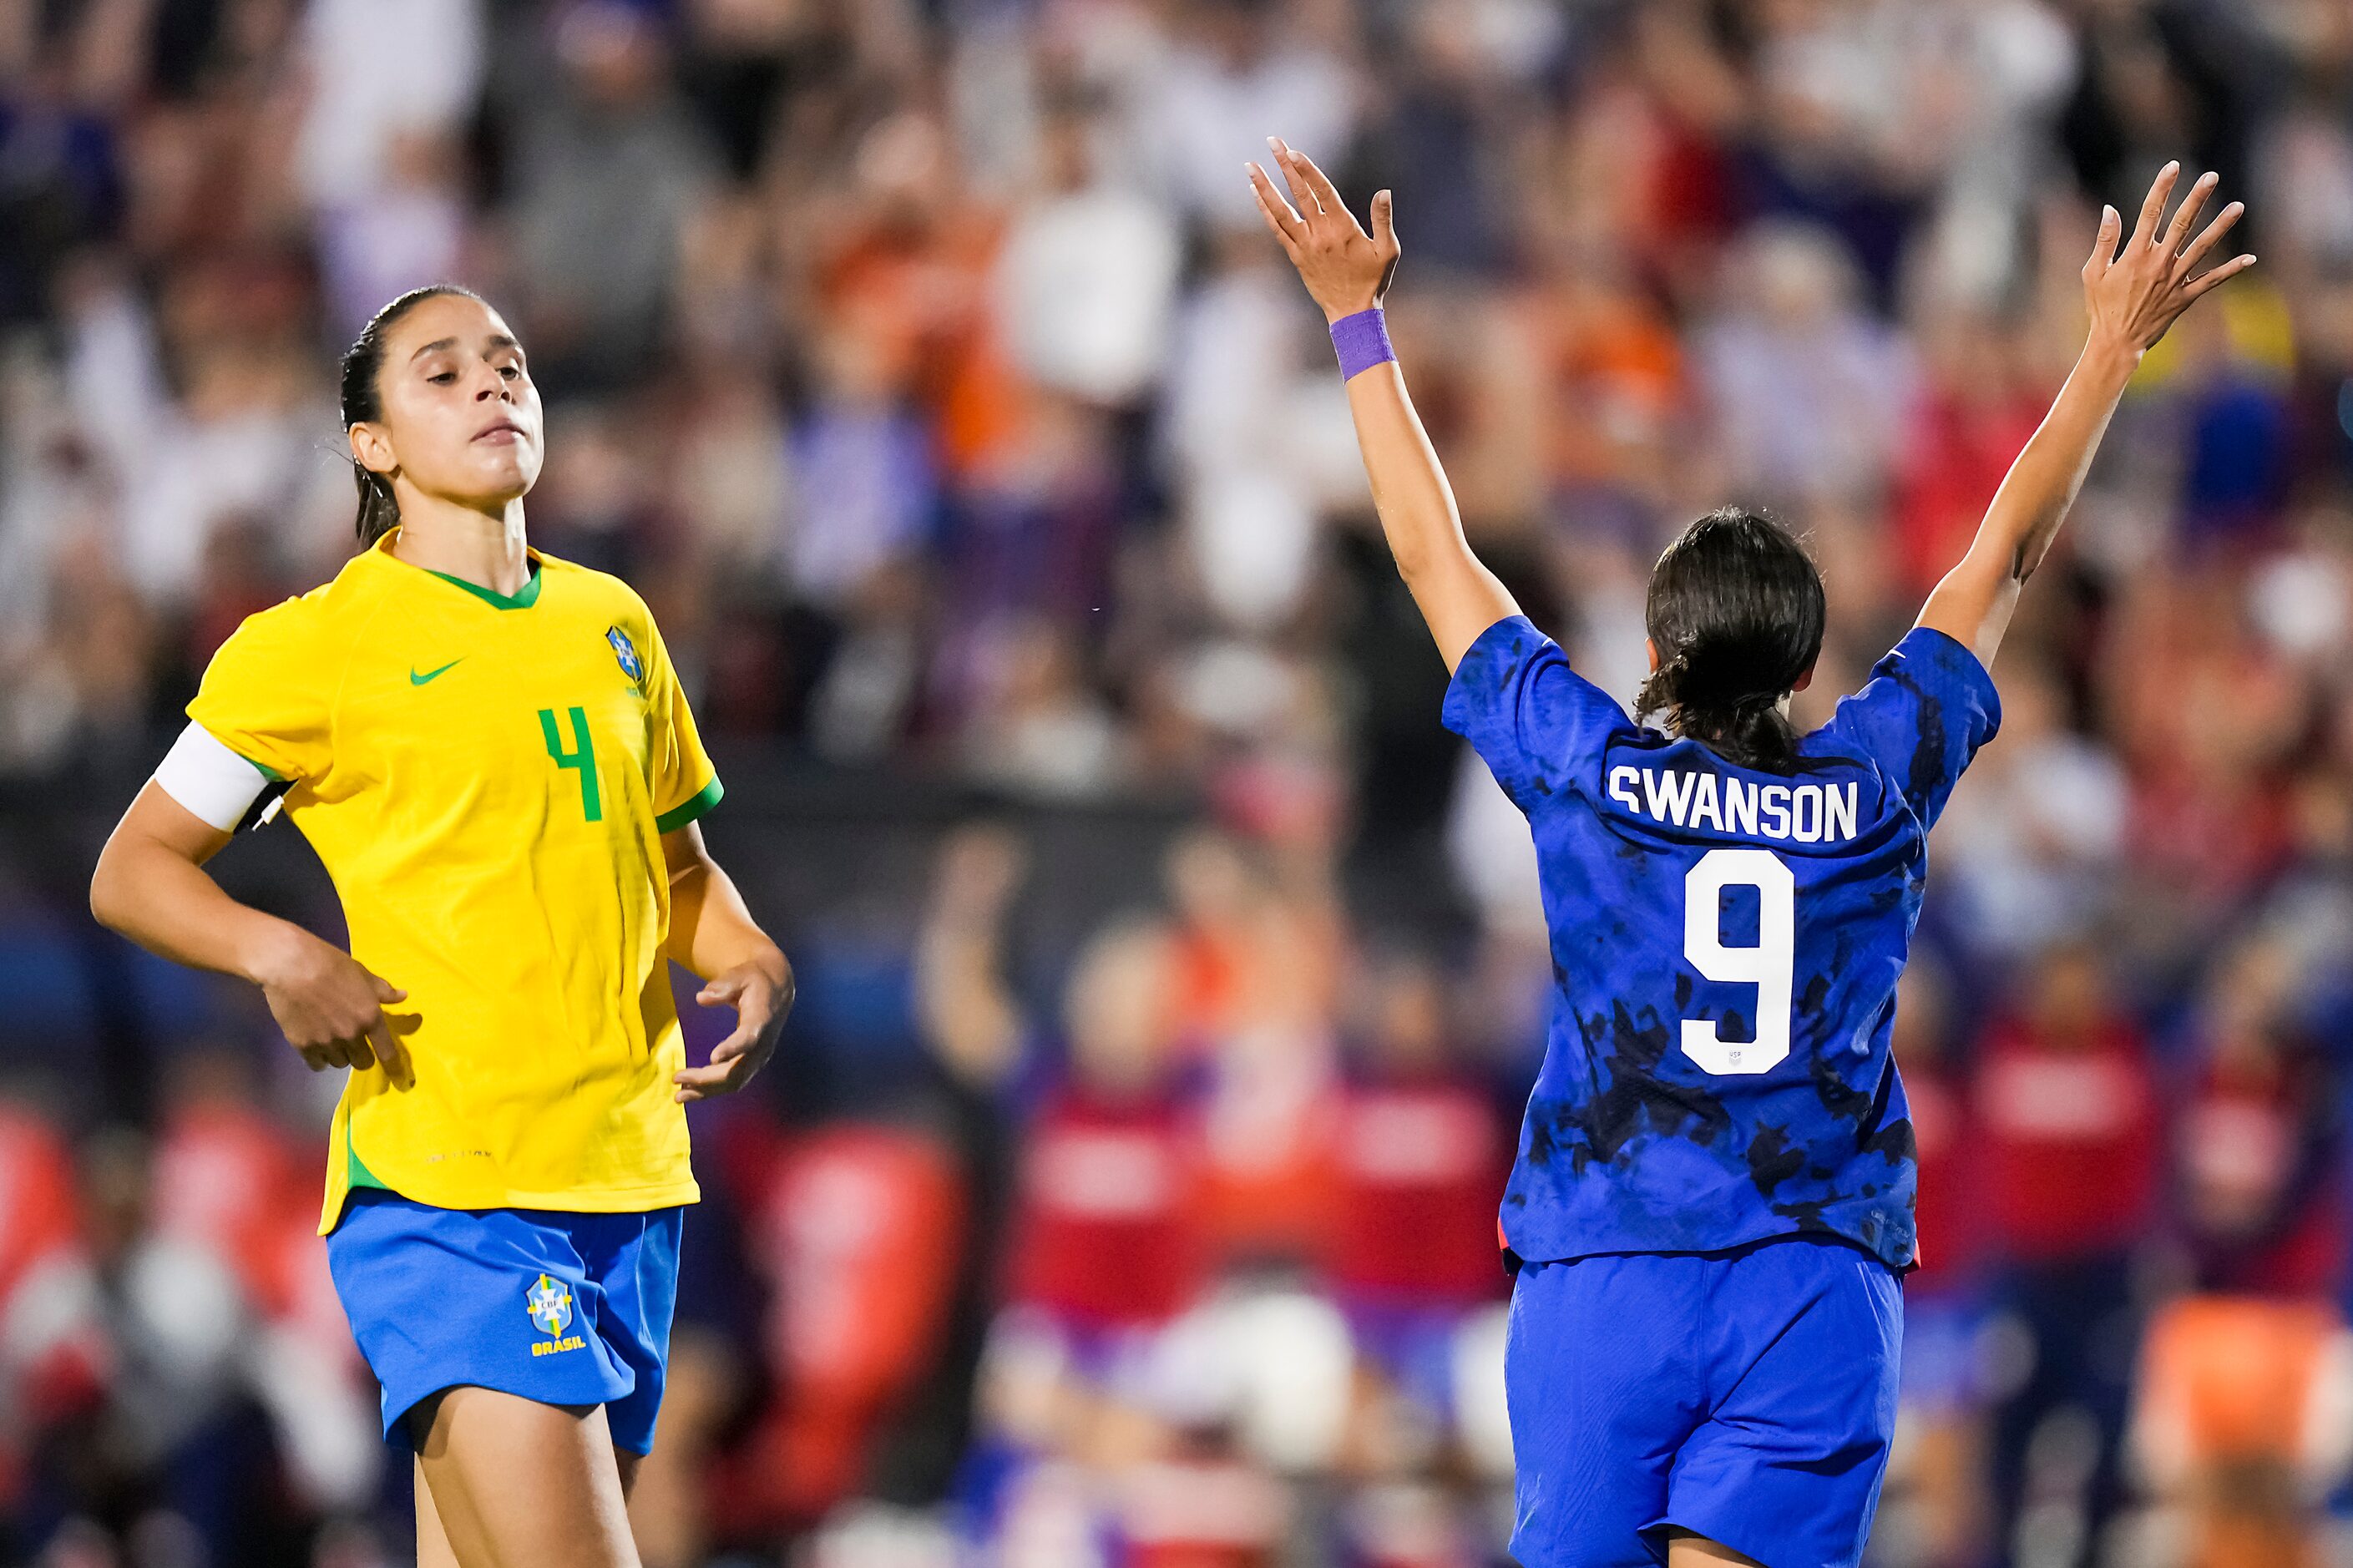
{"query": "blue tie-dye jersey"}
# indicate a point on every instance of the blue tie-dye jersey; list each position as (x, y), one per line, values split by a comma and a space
(1725, 948)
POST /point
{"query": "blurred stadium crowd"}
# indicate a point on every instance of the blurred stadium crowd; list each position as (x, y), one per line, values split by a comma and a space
(1125, 1194)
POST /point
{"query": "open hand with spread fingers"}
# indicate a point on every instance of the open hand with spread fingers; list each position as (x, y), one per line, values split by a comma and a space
(2137, 292)
(1346, 270)
(2132, 293)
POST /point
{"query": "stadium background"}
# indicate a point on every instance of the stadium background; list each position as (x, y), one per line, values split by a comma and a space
(1123, 1191)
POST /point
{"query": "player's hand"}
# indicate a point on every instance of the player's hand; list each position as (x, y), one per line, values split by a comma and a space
(761, 991)
(1346, 270)
(331, 1007)
(2136, 294)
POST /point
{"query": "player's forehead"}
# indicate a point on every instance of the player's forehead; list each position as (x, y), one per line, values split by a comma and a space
(448, 322)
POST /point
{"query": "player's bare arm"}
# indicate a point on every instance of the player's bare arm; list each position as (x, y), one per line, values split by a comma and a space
(1348, 271)
(2132, 296)
(151, 886)
(711, 933)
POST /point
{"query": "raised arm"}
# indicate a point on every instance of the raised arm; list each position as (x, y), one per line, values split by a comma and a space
(2133, 296)
(1346, 272)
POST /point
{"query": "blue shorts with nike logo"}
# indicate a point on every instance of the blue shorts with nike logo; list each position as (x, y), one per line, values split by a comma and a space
(565, 1309)
(1747, 1396)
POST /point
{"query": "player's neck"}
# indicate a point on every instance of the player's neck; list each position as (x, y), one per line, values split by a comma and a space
(483, 547)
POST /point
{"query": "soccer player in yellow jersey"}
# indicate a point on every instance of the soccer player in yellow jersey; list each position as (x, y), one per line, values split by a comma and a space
(488, 749)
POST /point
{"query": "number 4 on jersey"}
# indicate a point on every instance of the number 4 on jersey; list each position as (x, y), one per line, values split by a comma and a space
(1767, 965)
(583, 756)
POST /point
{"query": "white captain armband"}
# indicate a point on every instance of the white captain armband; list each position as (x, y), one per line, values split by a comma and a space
(216, 784)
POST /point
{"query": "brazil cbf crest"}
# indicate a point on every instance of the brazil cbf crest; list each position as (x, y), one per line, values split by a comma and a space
(550, 1303)
(626, 652)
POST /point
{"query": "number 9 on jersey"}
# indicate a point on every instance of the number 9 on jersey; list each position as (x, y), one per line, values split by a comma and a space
(1767, 965)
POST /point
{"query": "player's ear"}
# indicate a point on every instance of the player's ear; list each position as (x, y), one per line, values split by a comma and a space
(371, 448)
(1802, 681)
(1652, 649)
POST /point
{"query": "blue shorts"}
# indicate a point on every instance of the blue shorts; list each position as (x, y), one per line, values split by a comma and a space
(565, 1309)
(1746, 1396)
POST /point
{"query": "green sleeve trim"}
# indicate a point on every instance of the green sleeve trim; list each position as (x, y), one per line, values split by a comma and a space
(523, 598)
(679, 816)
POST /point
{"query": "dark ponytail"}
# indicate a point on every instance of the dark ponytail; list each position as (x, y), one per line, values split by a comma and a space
(363, 399)
(1735, 612)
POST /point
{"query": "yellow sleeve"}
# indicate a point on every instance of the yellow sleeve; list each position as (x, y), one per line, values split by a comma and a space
(685, 784)
(268, 694)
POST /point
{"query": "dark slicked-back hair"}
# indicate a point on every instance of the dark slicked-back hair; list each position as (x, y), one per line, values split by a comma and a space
(1735, 612)
(363, 399)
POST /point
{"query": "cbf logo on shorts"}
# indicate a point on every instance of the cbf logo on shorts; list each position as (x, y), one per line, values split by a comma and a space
(550, 1306)
(627, 652)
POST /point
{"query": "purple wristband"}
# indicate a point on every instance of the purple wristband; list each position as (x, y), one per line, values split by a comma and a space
(1363, 341)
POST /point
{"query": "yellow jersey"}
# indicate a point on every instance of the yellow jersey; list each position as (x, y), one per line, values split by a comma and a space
(487, 778)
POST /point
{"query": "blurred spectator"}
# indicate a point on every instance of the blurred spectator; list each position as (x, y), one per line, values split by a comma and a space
(1233, 400)
(242, 440)
(2241, 1424)
(38, 1231)
(63, 154)
(857, 1231)
(1979, 406)
(229, 1179)
(1036, 728)
(1107, 1239)
(1432, 144)
(1088, 275)
(2243, 1387)
(389, 90)
(862, 469)
(2035, 832)
(1936, 1506)
(161, 1438)
(1810, 393)
(2067, 1108)
(1260, 951)
(2257, 1140)
(1234, 66)
(607, 169)
(1422, 1160)
(1414, 1256)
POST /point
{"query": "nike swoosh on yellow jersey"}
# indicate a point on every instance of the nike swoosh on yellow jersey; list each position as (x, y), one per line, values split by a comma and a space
(416, 679)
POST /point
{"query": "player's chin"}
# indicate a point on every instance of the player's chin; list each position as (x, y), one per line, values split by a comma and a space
(500, 473)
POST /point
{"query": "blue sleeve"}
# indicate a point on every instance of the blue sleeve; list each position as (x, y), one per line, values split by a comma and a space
(1535, 720)
(1927, 708)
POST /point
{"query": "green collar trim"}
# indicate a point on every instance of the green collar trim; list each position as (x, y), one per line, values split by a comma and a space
(523, 598)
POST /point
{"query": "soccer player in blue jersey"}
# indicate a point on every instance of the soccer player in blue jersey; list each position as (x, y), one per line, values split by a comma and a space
(1712, 1200)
